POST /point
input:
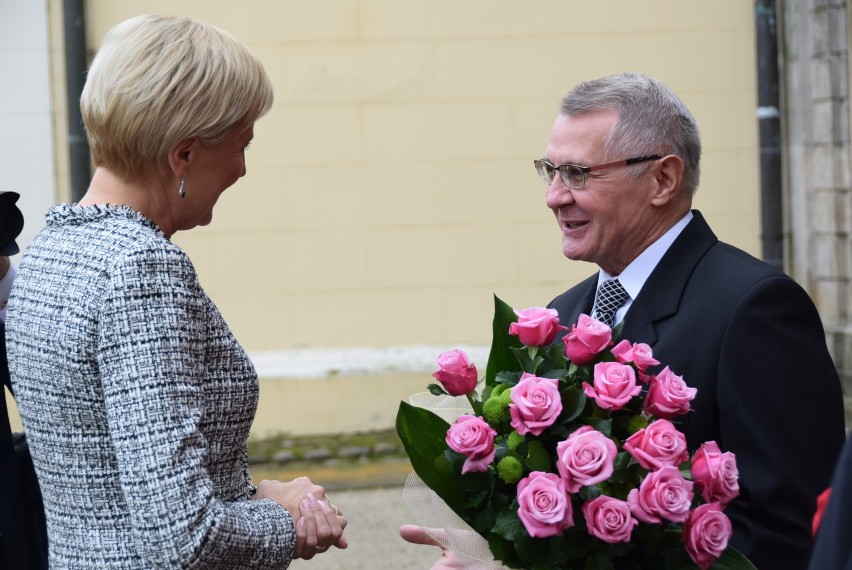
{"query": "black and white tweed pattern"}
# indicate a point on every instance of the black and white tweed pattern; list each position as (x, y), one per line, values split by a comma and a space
(137, 401)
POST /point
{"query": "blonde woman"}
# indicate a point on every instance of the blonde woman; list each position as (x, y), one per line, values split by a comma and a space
(135, 396)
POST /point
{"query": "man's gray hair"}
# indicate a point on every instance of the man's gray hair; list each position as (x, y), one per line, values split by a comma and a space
(652, 120)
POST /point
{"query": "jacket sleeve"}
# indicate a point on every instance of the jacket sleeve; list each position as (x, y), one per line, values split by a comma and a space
(151, 359)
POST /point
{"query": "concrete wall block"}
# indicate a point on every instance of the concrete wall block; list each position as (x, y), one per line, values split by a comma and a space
(841, 125)
(825, 4)
(357, 72)
(363, 195)
(390, 19)
(845, 204)
(823, 212)
(446, 130)
(288, 21)
(388, 317)
(713, 112)
(441, 255)
(825, 263)
(827, 166)
(828, 296)
(261, 321)
(829, 77)
(304, 134)
(826, 114)
(838, 17)
(828, 34)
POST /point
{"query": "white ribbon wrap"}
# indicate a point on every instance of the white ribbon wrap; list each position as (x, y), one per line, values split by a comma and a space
(431, 512)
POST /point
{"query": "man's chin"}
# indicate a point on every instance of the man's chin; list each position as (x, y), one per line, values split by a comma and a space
(572, 252)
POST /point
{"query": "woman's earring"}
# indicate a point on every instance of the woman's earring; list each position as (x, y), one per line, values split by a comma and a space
(181, 190)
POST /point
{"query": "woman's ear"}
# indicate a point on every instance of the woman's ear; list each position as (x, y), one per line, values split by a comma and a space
(181, 155)
(669, 178)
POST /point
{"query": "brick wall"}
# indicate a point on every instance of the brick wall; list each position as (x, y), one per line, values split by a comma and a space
(819, 192)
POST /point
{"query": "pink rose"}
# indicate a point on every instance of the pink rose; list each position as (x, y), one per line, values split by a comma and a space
(706, 534)
(536, 404)
(474, 438)
(456, 372)
(609, 519)
(587, 457)
(536, 326)
(614, 385)
(657, 445)
(663, 494)
(715, 474)
(586, 339)
(544, 505)
(668, 395)
(639, 354)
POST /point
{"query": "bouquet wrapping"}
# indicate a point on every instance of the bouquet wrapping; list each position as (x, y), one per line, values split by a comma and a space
(567, 456)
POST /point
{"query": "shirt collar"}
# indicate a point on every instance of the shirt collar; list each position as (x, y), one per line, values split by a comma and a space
(635, 275)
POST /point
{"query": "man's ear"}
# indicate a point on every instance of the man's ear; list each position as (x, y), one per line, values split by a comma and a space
(181, 155)
(669, 177)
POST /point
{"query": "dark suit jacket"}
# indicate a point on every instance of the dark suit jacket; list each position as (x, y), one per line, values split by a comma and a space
(833, 545)
(750, 339)
(13, 551)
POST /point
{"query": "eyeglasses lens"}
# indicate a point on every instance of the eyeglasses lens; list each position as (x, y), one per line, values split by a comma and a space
(545, 171)
(573, 176)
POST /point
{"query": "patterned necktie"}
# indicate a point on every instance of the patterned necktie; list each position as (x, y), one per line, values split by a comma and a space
(611, 296)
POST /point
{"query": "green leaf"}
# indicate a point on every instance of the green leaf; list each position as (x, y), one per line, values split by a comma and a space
(485, 521)
(501, 548)
(526, 363)
(508, 378)
(509, 526)
(602, 425)
(599, 561)
(573, 403)
(423, 434)
(732, 559)
(572, 545)
(534, 550)
(436, 390)
(501, 358)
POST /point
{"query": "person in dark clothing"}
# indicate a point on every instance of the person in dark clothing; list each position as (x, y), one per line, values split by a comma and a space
(23, 543)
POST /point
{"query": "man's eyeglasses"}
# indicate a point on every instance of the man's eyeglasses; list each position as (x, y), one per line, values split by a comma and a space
(574, 176)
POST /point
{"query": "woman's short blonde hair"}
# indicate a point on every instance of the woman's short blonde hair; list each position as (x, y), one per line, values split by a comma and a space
(157, 80)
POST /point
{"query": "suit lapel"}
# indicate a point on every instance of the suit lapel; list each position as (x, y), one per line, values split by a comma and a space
(660, 296)
(587, 300)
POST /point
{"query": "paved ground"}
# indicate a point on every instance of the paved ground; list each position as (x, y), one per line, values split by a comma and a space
(374, 544)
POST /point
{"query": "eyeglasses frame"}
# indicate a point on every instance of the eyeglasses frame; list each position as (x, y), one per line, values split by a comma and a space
(586, 170)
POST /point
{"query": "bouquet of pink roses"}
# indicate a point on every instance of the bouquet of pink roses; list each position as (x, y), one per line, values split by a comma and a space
(571, 456)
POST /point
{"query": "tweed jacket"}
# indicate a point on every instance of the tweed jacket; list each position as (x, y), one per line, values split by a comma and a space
(137, 401)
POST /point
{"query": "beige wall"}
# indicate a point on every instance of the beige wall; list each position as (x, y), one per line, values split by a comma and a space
(391, 190)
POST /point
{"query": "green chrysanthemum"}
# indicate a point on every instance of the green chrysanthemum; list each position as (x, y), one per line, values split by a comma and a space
(514, 440)
(510, 469)
(496, 412)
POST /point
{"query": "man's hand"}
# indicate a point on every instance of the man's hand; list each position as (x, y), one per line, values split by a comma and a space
(417, 535)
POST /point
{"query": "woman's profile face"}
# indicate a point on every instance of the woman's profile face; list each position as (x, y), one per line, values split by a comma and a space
(212, 170)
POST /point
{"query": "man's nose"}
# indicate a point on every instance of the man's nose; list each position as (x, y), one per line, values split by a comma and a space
(558, 194)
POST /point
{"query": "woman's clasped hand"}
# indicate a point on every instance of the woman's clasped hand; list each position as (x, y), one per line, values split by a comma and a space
(319, 524)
